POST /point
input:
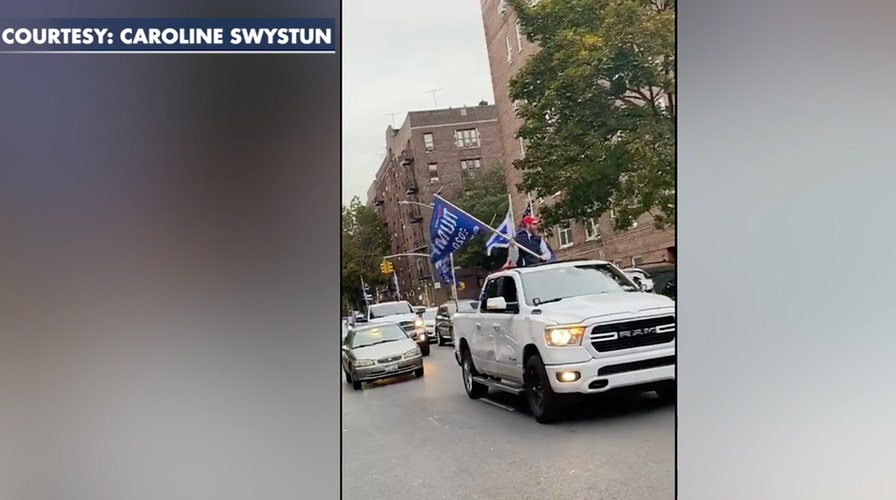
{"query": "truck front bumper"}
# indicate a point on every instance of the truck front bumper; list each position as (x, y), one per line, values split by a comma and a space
(618, 372)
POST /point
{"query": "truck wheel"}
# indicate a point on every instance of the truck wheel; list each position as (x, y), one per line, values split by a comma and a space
(441, 340)
(543, 402)
(474, 389)
(425, 349)
(418, 372)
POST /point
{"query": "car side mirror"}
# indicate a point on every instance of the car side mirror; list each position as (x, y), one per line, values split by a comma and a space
(496, 304)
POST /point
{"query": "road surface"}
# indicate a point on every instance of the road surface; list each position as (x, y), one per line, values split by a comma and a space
(424, 439)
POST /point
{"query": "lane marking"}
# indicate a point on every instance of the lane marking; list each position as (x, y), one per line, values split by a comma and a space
(499, 405)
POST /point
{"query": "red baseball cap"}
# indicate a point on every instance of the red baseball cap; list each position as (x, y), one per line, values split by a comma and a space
(530, 221)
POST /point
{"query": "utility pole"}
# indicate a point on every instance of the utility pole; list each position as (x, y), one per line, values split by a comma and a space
(432, 92)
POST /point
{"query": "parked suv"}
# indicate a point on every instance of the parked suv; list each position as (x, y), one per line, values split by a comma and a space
(569, 328)
(444, 325)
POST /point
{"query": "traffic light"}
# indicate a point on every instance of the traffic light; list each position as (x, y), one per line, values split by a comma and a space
(386, 267)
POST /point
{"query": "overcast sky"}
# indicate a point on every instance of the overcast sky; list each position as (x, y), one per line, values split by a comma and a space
(393, 52)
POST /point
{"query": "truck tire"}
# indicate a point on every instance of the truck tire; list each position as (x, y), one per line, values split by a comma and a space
(425, 349)
(543, 402)
(474, 389)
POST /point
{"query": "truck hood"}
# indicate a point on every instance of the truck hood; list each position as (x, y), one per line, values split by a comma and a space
(606, 306)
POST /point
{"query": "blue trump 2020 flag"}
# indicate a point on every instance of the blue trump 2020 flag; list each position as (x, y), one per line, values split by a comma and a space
(451, 228)
(444, 268)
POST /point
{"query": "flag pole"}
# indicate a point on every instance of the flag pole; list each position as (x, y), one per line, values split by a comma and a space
(493, 230)
(532, 205)
(510, 209)
(453, 278)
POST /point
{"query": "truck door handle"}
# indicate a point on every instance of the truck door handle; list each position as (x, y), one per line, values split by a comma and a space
(496, 326)
(478, 325)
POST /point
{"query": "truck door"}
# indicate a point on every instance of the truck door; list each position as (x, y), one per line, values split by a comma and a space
(507, 328)
(482, 334)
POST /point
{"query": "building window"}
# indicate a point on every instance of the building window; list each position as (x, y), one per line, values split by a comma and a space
(564, 235)
(509, 45)
(433, 173)
(519, 37)
(592, 229)
(428, 143)
(467, 138)
(470, 167)
(637, 261)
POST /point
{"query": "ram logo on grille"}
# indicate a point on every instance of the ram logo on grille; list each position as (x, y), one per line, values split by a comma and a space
(637, 332)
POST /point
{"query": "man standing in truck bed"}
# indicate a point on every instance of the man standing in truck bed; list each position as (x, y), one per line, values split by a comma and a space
(529, 239)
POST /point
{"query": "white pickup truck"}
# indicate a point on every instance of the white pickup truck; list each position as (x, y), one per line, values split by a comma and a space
(565, 329)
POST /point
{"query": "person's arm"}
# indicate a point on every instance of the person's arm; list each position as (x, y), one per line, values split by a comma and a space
(513, 254)
(545, 250)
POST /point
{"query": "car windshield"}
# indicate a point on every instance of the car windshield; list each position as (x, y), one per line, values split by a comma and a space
(429, 314)
(390, 309)
(552, 284)
(372, 336)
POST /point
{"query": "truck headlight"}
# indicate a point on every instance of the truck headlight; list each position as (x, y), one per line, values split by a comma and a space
(564, 335)
(413, 353)
(418, 322)
(363, 362)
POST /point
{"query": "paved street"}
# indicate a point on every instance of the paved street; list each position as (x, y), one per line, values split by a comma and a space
(425, 439)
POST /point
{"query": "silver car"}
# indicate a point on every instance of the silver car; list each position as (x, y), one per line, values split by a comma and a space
(376, 351)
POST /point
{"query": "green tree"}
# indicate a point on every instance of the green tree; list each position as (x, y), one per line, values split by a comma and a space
(597, 126)
(484, 197)
(365, 241)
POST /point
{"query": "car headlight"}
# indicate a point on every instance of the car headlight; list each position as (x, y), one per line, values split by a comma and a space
(413, 353)
(418, 322)
(363, 362)
(564, 336)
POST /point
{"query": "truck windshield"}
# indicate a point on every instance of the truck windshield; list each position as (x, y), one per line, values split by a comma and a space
(553, 284)
(390, 309)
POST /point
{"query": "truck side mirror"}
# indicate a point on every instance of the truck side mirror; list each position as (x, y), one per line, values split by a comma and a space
(496, 304)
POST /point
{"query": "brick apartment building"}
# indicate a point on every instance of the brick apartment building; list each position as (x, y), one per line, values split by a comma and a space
(508, 51)
(433, 151)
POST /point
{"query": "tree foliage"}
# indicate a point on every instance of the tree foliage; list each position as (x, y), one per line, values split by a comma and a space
(596, 126)
(365, 241)
(484, 197)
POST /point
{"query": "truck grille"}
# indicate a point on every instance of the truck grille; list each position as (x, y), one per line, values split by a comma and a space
(632, 334)
(407, 326)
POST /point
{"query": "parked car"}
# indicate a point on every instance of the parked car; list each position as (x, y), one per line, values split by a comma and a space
(669, 289)
(552, 331)
(429, 323)
(402, 313)
(640, 277)
(444, 315)
(662, 275)
(377, 351)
